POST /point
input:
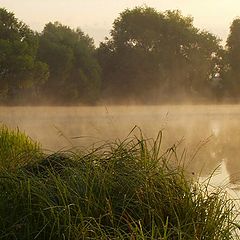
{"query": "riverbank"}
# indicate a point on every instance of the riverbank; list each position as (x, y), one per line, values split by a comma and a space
(122, 190)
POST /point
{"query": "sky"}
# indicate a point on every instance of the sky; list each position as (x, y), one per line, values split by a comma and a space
(95, 17)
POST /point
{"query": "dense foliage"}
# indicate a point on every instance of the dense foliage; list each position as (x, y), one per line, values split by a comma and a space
(74, 71)
(150, 57)
(232, 60)
(21, 74)
(153, 56)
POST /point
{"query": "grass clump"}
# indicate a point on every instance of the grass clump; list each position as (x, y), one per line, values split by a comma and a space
(122, 190)
(16, 148)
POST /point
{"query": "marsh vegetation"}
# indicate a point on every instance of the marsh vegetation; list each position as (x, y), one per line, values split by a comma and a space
(121, 190)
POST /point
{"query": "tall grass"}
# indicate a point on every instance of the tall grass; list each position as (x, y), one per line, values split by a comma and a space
(16, 148)
(122, 190)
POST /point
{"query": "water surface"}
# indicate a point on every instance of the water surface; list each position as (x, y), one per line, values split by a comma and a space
(211, 131)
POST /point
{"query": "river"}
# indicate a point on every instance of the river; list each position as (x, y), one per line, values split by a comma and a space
(209, 134)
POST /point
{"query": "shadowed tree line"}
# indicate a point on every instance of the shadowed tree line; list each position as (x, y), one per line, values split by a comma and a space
(151, 57)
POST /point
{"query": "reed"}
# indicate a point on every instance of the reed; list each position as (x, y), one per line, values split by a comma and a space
(16, 148)
(122, 190)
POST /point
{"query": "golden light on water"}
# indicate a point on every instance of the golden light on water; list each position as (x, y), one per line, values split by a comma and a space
(212, 131)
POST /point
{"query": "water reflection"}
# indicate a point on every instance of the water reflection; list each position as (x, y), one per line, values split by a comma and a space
(209, 134)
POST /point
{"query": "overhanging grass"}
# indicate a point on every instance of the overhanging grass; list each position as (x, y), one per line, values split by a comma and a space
(122, 190)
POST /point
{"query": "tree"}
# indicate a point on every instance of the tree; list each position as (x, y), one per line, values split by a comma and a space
(20, 73)
(152, 55)
(232, 59)
(74, 71)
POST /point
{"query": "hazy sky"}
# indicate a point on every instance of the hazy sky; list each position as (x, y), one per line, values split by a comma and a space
(95, 17)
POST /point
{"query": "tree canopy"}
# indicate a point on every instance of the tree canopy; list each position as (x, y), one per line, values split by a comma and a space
(20, 72)
(155, 55)
(74, 71)
(231, 70)
(150, 57)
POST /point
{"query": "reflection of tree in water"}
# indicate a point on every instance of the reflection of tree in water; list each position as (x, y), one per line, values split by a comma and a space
(223, 144)
(205, 157)
(207, 144)
(202, 154)
(231, 149)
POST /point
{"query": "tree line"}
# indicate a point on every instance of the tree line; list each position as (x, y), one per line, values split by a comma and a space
(151, 57)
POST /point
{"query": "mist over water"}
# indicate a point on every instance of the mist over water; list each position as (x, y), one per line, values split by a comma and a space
(209, 135)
